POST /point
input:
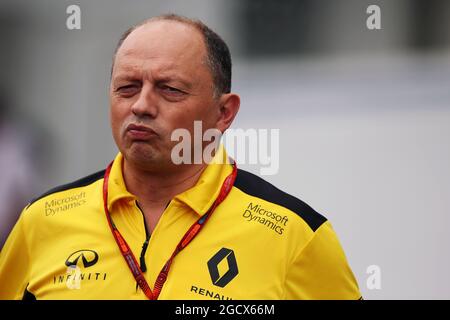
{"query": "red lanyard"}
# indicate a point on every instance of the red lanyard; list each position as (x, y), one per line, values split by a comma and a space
(187, 238)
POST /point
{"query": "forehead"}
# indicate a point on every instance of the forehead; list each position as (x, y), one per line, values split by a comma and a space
(162, 45)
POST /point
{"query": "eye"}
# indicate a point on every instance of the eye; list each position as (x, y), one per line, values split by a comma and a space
(171, 89)
(128, 90)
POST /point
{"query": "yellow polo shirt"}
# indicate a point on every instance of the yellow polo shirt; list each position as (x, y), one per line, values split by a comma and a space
(260, 243)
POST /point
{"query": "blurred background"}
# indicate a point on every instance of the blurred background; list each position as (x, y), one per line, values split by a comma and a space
(364, 115)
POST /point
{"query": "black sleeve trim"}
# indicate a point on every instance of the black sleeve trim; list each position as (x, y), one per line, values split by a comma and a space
(76, 184)
(258, 187)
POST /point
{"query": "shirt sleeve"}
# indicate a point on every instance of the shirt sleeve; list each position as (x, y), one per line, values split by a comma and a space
(14, 264)
(320, 271)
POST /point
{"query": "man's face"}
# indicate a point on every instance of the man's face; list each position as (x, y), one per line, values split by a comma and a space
(160, 82)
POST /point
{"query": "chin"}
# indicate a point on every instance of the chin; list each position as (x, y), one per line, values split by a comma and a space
(146, 156)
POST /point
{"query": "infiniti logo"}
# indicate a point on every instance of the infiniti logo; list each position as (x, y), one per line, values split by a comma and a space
(87, 258)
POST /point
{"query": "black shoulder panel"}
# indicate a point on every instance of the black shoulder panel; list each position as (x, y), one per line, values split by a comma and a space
(76, 184)
(258, 187)
(28, 296)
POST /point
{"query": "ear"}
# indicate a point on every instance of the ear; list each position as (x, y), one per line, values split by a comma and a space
(229, 106)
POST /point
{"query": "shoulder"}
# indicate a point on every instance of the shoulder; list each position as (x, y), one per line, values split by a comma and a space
(257, 187)
(66, 190)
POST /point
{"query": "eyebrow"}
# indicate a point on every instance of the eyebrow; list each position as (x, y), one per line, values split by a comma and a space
(124, 77)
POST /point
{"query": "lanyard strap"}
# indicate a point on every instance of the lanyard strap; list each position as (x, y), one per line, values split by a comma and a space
(128, 255)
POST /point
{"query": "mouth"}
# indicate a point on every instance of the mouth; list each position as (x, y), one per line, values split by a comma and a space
(139, 132)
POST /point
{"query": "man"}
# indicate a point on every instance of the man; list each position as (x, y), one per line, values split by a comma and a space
(149, 228)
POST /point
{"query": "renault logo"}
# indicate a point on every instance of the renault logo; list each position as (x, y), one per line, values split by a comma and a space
(85, 257)
(213, 263)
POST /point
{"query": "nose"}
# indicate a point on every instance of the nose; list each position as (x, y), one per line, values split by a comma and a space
(146, 105)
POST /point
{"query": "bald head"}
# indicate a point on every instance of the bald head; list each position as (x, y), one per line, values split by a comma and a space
(216, 55)
(163, 45)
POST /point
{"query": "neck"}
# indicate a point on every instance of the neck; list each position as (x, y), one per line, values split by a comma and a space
(159, 188)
